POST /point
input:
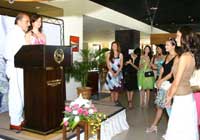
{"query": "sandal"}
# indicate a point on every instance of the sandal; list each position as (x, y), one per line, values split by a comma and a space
(130, 105)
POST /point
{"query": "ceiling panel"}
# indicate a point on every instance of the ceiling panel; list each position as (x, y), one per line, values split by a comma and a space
(165, 14)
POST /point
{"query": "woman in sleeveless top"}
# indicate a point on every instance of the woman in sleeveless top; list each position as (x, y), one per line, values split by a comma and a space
(114, 61)
(34, 35)
(164, 77)
(157, 60)
(182, 123)
(145, 83)
(130, 75)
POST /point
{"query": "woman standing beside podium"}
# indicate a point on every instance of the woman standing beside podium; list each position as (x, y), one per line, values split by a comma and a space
(34, 35)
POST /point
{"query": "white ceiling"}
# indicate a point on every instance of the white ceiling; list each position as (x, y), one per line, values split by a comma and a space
(95, 30)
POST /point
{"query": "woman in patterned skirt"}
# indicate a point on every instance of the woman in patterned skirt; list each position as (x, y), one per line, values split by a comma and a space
(164, 82)
(114, 61)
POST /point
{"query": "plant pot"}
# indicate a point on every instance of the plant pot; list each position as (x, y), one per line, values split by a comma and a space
(85, 91)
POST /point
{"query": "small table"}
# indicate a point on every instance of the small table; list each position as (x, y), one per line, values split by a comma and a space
(84, 125)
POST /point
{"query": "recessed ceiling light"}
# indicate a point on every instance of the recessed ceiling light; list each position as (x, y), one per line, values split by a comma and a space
(154, 8)
(37, 7)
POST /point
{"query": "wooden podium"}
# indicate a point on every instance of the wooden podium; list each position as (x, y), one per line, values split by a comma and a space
(44, 85)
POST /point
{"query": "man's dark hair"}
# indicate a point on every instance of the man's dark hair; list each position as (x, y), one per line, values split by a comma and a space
(19, 17)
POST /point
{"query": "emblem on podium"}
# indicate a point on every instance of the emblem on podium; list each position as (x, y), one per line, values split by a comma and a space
(59, 55)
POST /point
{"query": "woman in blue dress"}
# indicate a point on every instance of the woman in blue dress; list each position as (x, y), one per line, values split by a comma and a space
(158, 60)
(114, 61)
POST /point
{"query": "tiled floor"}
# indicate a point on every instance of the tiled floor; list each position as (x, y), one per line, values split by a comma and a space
(139, 119)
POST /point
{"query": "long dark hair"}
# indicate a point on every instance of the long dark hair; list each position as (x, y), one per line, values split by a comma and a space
(150, 54)
(137, 51)
(32, 20)
(162, 47)
(190, 42)
(112, 52)
(178, 49)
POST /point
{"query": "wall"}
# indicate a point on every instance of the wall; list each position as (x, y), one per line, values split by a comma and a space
(128, 39)
(144, 39)
(161, 38)
(73, 26)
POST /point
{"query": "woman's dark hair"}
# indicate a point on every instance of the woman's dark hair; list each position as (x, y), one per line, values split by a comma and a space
(190, 42)
(32, 20)
(178, 50)
(137, 51)
(150, 54)
(112, 52)
(162, 47)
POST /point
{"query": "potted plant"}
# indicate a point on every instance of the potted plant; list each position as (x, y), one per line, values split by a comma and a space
(80, 69)
(101, 58)
(102, 67)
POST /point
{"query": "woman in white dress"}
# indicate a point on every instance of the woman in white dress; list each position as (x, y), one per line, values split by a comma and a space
(182, 123)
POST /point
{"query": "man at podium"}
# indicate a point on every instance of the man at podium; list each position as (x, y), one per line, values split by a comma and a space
(14, 41)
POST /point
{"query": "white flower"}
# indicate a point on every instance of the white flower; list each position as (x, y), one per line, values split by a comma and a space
(65, 119)
(87, 105)
(75, 112)
(80, 101)
(77, 119)
(72, 104)
(91, 111)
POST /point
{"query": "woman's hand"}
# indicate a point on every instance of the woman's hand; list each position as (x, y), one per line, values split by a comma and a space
(168, 102)
(158, 83)
(116, 74)
(113, 74)
(128, 62)
(153, 66)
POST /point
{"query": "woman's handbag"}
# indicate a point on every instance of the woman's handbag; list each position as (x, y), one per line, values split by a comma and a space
(165, 85)
(149, 74)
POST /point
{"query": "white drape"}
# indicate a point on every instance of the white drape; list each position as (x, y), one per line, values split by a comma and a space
(112, 126)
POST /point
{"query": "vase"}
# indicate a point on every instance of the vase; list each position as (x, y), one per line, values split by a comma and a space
(85, 91)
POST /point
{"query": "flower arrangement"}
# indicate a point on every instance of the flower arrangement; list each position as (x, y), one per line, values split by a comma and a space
(82, 110)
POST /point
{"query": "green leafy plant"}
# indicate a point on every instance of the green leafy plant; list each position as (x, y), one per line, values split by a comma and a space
(90, 60)
(79, 70)
(101, 58)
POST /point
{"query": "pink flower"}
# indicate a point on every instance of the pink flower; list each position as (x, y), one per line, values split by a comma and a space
(85, 113)
(76, 106)
(80, 111)
(68, 109)
(66, 123)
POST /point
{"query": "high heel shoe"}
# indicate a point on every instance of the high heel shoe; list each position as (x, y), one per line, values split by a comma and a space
(163, 137)
(152, 129)
(130, 105)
